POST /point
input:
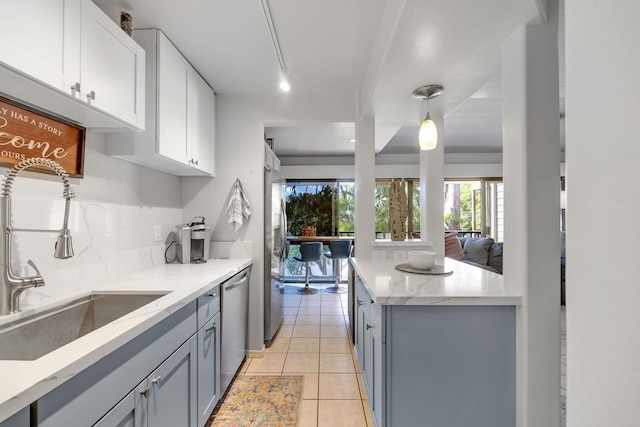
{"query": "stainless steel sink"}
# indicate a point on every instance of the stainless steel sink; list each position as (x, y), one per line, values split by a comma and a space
(34, 336)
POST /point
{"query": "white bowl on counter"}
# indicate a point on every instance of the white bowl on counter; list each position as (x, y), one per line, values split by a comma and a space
(422, 260)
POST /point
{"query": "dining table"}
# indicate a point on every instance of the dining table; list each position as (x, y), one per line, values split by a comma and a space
(296, 240)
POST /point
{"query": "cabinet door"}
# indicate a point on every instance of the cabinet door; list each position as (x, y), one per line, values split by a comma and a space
(41, 38)
(376, 374)
(21, 419)
(172, 102)
(130, 411)
(208, 368)
(199, 132)
(112, 66)
(172, 395)
(362, 303)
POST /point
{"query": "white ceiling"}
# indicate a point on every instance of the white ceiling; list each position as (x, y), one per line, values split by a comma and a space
(380, 50)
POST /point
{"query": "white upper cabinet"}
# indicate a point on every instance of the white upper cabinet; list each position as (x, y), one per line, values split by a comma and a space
(180, 114)
(200, 132)
(172, 74)
(68, 58)
(112, 67)
(41, 38)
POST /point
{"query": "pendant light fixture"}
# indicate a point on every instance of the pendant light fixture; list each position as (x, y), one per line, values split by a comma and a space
(428, 134)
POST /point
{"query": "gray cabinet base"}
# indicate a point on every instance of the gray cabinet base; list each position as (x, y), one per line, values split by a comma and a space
(451, 365)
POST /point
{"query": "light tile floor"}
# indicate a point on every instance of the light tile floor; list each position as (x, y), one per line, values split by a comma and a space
(313, 342)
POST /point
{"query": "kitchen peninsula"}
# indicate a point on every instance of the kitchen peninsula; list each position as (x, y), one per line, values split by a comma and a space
(103, 366)
(436, 350)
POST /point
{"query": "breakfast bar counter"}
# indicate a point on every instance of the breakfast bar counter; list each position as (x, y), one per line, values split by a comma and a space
(466, 285)
(437, 350)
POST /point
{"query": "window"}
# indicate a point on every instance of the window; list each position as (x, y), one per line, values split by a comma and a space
(382, 207)
(327, 204)
(474, 207)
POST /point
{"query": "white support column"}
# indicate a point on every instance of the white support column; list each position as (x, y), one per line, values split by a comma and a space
(531, 152)
(431, 199)
(365, 164)
(603, 188)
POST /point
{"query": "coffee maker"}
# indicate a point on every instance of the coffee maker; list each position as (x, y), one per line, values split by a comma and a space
(193, 241)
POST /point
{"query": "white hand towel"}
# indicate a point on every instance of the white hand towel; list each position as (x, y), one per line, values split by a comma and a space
(238, 207)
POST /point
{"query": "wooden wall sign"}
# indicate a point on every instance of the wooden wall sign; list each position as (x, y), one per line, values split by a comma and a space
(26, 133)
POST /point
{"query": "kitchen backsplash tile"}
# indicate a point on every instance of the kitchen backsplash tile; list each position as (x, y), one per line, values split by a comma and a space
(111, 219)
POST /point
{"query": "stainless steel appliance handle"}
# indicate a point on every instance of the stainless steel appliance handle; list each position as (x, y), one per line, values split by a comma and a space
(283, 230)
(236, 284)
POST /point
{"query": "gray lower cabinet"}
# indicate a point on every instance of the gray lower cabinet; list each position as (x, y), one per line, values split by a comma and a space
(439, 366)
(172, 396)
(208, 368)
(130, 411)
(169, 376)
(21, 419)
(87, 397)
(165, 398)
(370, 346)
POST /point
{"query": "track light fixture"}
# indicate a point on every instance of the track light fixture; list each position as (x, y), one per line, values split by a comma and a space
(284, 79)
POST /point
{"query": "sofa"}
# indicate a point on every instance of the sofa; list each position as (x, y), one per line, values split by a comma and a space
(485, 253)
(482, 252)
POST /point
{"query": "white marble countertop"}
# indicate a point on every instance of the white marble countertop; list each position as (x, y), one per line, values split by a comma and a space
(26, 381)
(468, 285)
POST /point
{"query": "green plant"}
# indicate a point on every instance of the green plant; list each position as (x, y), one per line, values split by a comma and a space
(311, 209)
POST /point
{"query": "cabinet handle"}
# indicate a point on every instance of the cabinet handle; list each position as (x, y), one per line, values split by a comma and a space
(91, 96)
(359, 302)
(156, 380)
(145, 392)
(208, 328)
(75, 89)
(195, 162)
(369, 326)
(213, 295)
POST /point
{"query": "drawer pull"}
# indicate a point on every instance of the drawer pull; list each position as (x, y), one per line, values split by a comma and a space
(213, 295)
(156, 380)
(208, 328)
(369, 326)
(145, 392)
(359, 302)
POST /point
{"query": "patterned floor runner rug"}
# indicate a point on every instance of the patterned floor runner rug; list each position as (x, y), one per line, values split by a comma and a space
(260, 401)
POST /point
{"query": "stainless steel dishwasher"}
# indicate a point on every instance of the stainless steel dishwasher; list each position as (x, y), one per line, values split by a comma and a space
(235, 320)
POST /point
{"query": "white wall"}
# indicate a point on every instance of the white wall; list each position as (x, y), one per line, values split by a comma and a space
(393, 166)
(603, 184)
(111, 221)
(239, 153)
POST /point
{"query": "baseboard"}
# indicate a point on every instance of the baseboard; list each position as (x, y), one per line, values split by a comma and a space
(257, 354)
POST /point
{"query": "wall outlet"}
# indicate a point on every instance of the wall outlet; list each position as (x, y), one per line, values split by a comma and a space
(399, 254)
(157, 233)
(379, 254)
